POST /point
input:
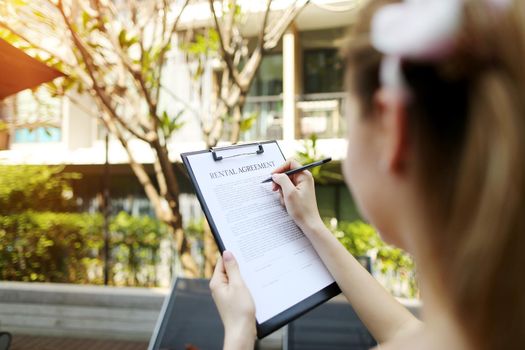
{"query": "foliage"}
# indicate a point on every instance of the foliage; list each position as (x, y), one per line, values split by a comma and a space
(234, 59)
(197, 49)
(357, 237)
(196, 228)
(41, 240)
(116, 53)
(136, 242)
(48, 247)
(43, 188)
(309, 154)
(248, 121)
(394, 266)
(68, 247)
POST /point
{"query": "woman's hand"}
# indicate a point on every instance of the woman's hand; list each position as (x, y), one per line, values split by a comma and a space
(298, 195)
(234, 302)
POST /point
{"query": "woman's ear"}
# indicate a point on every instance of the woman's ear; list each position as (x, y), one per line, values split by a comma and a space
(392, 120)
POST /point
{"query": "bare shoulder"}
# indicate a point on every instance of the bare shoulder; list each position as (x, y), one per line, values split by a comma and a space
(414, 340)
(424, 338)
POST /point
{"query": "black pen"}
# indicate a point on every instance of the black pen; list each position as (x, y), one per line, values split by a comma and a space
(304, 167)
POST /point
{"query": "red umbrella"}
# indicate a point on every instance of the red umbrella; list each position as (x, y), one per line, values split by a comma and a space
(18, 71)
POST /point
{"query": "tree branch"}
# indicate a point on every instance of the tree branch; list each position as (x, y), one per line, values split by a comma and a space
(91, 71)
(161, 180)
(165, 46)
(273, 37)
(172, 187)
(250, 68)
(140, 172)
(178, 99)
(175, 23)
(225, 49)
(27, 40)
(137, 76)
(263, 28)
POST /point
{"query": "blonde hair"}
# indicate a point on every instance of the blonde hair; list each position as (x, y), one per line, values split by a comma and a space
(467, 129)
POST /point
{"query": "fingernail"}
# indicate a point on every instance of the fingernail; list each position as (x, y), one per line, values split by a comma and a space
(227, 255)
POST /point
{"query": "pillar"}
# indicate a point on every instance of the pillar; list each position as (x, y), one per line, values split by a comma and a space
(291, 82)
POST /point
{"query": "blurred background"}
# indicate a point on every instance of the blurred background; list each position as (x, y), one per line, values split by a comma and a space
(98, 98)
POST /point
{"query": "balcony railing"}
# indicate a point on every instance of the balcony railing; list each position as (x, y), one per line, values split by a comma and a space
(269, 122)
(322, 114)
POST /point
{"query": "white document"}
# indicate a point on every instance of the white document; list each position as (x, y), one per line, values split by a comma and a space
(278, 263)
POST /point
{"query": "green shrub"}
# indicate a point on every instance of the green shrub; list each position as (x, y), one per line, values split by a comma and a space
(393, 267)
(67, 247)
(37, 188)
(328, 173)
(136, 243)
(43, 239)
(49, 247)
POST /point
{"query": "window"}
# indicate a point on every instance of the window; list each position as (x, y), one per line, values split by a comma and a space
(323, 71)
(269, 78)
(37, 117)
(321, 106)
(264, 100)
(40, 134)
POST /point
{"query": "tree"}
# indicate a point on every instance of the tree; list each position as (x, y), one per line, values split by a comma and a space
(115, 53)
(238, 62)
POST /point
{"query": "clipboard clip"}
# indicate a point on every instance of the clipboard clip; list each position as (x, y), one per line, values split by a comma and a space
(216, 157)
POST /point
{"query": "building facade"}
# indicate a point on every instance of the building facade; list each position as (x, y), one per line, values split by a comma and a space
(298, 91)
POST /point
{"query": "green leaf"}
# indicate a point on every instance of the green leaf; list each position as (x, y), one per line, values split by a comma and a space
(19, 2)
(40, 15)
(85, 19)
(206, 43)
(247, 123)
(122, 38)
(170, 125)
(146, 61)
(80, 87)
(133, 40)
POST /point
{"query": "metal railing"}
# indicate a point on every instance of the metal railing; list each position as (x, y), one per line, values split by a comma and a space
(268, 124)
(322, 114)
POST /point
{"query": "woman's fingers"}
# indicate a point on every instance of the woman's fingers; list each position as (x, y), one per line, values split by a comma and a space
(295, 178)
(281, 198)
(232, 268)
(219, 275)
(282, 168)
(284, 182)
(288, 165)
(233, 300)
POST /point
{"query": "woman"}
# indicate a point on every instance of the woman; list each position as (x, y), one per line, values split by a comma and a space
(435, 160)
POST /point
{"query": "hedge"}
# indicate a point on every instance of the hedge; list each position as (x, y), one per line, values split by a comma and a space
(67, 247)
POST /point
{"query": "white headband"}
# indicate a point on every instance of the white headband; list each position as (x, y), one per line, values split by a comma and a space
(424, 30)
(414, 29)
(418, 29)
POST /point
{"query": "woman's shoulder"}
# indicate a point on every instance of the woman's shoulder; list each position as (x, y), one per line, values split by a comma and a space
(411, 341)
(421, 338)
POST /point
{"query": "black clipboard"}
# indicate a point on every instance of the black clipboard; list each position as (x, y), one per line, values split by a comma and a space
(283, 318)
